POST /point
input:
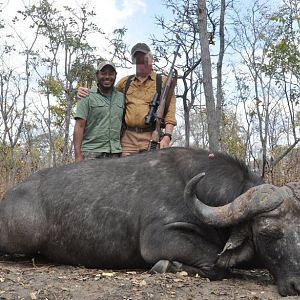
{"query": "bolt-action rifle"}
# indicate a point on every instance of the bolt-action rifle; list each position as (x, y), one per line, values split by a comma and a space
(159, 105)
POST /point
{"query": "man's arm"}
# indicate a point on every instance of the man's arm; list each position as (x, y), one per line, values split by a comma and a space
(78, 137)
(170, 120)
(120, 86)
(165, 141)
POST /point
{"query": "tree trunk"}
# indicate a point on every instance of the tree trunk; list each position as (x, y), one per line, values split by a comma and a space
(213, 138)
(187, 128)
(219, 107)
(65, 154)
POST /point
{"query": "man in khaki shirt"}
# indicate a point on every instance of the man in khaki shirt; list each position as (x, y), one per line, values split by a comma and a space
(139, 96)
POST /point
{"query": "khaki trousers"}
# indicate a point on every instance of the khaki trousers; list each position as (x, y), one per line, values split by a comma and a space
(134, 142)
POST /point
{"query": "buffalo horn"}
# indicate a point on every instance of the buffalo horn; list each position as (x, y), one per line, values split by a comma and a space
(294, 187)
(256, 200)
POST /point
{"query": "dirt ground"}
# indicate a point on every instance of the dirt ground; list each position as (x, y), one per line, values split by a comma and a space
(22, 278)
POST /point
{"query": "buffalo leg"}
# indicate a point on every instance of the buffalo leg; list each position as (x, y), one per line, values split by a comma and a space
(164, 266)
(175, 250)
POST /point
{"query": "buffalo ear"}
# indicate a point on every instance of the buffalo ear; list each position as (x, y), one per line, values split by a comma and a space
(239, 247)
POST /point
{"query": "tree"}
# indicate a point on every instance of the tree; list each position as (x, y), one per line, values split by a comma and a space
(254, 35)
(65, 34)
(182, 30)
(214, 107)
(14, 90)
(249, 44)
(284, 64)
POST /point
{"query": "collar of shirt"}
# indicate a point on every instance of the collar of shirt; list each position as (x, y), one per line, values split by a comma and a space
(151, 76)
(99, 91)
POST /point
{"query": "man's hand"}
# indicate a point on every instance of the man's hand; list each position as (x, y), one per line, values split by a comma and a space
(164, 142)
(82, 92)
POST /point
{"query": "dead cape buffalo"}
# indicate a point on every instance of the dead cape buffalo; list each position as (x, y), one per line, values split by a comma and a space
(155, 210)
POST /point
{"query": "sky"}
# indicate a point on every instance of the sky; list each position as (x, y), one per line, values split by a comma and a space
(138, 16)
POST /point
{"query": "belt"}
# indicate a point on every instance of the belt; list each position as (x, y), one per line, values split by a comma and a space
(105, 154)
(91, 155)
(139, 129)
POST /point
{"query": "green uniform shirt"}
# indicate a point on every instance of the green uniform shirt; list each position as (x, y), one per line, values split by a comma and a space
(103, 121)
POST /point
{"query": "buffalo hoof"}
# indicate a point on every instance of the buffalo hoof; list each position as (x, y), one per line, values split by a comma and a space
(163, 266)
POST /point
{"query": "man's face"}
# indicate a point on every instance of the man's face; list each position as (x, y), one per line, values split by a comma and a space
(106, 77)
(143, 63)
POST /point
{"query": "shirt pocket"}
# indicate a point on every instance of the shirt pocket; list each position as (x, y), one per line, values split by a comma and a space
(98, 109)
(119, 108)
(120, 105)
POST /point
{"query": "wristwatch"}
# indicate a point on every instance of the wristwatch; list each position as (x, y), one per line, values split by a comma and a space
(169, 135)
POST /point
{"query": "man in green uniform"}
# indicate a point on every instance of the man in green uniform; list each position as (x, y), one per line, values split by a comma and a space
(99, 118)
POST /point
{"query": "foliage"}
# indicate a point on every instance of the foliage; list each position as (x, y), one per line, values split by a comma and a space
(260, 83)
(68, 58)
(17, 163)
(288, 170)
(233, 136)
(52, 86)
(283, 51)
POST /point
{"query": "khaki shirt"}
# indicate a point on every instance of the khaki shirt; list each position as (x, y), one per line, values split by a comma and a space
(103, 121)
(138, 98)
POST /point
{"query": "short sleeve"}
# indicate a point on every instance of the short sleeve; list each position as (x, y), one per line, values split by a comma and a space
(120, 86)
(82, 109)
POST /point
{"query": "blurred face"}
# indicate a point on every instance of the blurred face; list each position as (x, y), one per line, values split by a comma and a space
(106, 78)
(143, 64)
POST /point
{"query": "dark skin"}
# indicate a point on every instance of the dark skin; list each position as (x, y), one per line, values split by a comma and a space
(106, 79)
